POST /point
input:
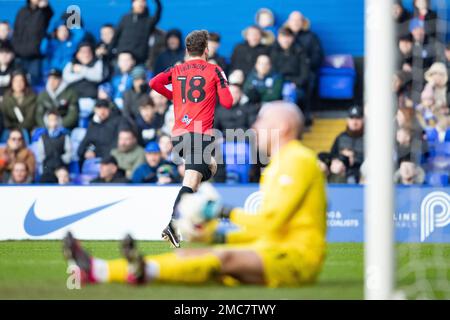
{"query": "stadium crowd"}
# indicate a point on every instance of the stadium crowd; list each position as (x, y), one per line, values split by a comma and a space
(422, 122)
(77, 110)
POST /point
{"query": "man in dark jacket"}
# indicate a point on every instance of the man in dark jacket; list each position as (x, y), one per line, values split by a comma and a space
(135, 28)
(213, 46)
(139, 90)
(30, 28)
(101, 135)
(235, 118)
(310, 43)
(290, 60)
(401, 17)
(110, 172)
(57, 96)
(350, 143)
(245, 54)
(173, 54)
(7, 67)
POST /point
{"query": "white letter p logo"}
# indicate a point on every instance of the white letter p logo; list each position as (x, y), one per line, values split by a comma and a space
(434, 213)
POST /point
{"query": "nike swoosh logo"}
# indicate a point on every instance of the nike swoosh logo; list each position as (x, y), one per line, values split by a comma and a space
(35, 226)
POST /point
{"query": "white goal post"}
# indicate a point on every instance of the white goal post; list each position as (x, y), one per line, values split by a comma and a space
(379, 145)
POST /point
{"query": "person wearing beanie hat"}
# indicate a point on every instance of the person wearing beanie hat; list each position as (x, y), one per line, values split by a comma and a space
(138, 90)
(429, 18)
(135, 28)
(57, 96)
(147, 172)
(173, 54)
(110, 171)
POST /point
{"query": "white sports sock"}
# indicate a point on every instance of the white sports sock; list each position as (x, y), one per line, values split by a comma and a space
(100, 270)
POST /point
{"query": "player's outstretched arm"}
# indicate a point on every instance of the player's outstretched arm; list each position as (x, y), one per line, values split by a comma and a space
(160, 81)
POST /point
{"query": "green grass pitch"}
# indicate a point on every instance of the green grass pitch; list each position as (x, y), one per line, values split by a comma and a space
(36, 270)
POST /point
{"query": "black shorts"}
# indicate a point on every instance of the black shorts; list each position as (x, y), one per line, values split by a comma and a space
(197, 150)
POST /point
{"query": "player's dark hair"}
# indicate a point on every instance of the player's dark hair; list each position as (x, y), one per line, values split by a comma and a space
(197, 42)
(214, 36)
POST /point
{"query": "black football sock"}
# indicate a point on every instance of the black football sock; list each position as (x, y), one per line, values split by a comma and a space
(182, 191)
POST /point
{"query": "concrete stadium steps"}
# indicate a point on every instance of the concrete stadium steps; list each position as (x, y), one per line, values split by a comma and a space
(321, 135)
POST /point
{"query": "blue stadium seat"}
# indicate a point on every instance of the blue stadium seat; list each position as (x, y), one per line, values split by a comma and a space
(337, 77)
(437, 179)
(76, 137)
(91, 167)
(237, 161)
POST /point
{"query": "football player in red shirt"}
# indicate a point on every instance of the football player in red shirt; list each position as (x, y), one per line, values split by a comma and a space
(196, 84)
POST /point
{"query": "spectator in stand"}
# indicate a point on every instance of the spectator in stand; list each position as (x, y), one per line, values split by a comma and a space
(148, 122)
(156, 46)
(237, 77)
(426, 50)
(169, 121)
(7, 67)
(104, 49)
(15, 151)
(290, 60)
(5, 33)
(402, 88)
(19, 104)
(138, 90)
(173, 54)
(423, 12)
(426, 110)
(84, 74)
(338, 169)
(135, 28)
(213, 47)
(62, 175)
(401, 16)
(166, 147)
(324, 159)
(405, 48)
(308, 40)
(129, 154)
(408, 145)
(59, 48)
(101, 135)
(30, 28)
(262, 84)
(167, 174)
(53, 147)
(441, 132)
(245, 54)
(20, 174)
(350, 143)
(406, 118)
(409, 173)
(57, 96)
(437, 78)
(265, 19)
(237, 117)
(110, 172)
(161, 102)
(147, 172)
(122, 81)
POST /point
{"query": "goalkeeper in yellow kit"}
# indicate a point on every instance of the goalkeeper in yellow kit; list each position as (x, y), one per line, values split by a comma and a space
(283, 245)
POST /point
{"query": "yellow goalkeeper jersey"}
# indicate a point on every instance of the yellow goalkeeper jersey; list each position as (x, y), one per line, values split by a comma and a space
(293, 208)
